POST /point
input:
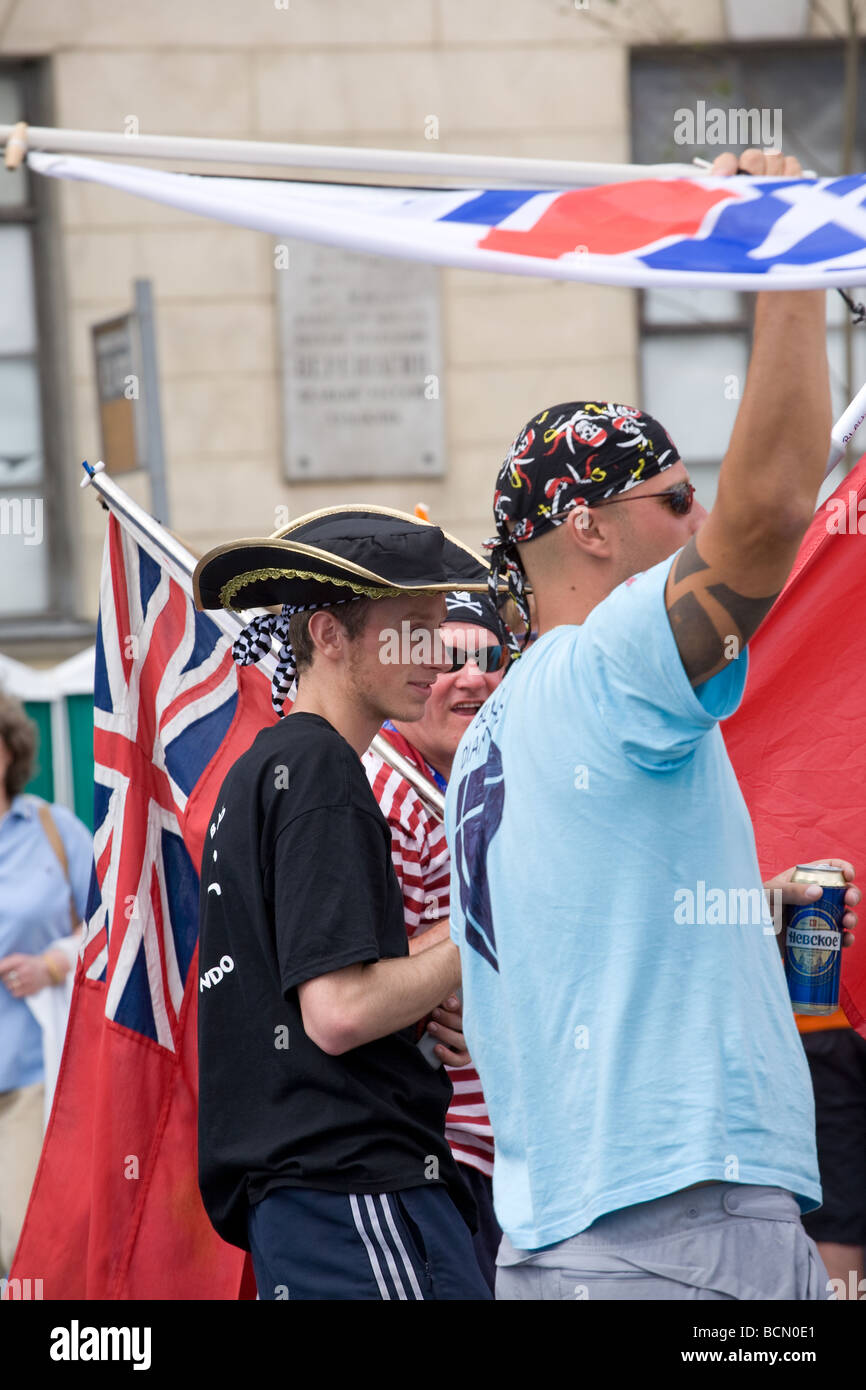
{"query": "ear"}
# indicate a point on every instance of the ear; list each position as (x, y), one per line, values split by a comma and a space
(326, 634)
(589, 531)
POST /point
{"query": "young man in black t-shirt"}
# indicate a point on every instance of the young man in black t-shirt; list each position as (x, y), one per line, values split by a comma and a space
(321, 1126)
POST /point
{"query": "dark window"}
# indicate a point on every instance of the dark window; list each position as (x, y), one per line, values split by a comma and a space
(37, 590)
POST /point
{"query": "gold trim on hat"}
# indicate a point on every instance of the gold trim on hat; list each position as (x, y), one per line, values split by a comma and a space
(231, 586)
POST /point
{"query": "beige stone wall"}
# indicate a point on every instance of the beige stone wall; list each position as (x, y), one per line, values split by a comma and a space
(523, 77)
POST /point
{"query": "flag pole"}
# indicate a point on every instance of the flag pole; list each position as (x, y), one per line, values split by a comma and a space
(845, 428)
(120, 502)
(548, 173)
(230, 621)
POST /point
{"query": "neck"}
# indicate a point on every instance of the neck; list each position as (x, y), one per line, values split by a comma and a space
(357, 724)
(5, 801)
(566, 605)
(567, 592)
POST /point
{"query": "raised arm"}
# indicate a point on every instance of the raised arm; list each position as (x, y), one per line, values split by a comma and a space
(727, 577)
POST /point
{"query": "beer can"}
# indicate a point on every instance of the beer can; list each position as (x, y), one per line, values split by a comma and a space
(813, 942)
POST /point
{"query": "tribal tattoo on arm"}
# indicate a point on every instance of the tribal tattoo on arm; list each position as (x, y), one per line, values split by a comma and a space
(710, 621)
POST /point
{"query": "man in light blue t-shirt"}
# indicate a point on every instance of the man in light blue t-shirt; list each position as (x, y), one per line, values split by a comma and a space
(625, 1002)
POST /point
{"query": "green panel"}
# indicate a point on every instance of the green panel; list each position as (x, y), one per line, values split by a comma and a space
(43, 782)
(79, 710)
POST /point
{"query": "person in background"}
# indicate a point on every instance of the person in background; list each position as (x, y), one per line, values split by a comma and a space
(837, 1060)
(46, 856)
(475, 640)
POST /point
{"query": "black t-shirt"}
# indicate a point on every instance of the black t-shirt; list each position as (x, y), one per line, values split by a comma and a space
(297, 881)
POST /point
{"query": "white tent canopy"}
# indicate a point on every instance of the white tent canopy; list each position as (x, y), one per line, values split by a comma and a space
(69, 750)
(72, 677)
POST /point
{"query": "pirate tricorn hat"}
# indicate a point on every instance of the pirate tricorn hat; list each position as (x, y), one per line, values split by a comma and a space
(336, 553)
(325, 558)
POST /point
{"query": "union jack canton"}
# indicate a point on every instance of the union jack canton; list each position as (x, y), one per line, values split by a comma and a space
(165, 693)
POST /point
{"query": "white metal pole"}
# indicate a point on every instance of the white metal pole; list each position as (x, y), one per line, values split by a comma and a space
(154, 454)
(61, 750)
(124, 505)
(548, 173)
(845, 428)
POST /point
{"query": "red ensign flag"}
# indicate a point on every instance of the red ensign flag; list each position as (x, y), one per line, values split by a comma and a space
(798, 741)
(115, 1211)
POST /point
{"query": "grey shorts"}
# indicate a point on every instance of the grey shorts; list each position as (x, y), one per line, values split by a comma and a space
(724, 1241)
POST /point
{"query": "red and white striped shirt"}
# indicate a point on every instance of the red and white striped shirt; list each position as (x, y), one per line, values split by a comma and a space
(422, 864)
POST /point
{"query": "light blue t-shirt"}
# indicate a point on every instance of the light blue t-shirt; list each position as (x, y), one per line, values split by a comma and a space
(624, 997)
(34, 913)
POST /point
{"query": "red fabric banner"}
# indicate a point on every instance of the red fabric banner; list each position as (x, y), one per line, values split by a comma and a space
(798, 740)
(115, 1211)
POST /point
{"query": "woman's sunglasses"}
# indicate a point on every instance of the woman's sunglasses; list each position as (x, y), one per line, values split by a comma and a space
(490, 658)
(678, 498)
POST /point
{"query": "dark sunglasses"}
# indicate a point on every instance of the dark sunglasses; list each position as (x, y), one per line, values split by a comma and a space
(678, 498)
(490, 658)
